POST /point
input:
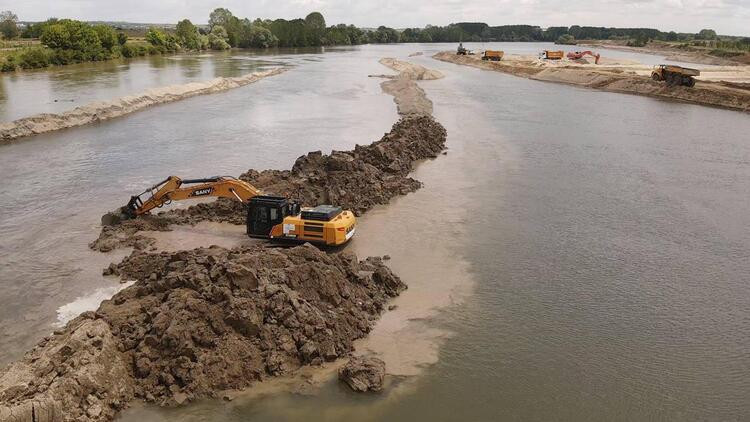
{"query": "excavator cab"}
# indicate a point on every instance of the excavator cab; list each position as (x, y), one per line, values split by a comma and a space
(265, 212)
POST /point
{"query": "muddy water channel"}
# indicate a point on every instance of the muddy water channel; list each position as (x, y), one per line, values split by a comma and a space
(577, 255)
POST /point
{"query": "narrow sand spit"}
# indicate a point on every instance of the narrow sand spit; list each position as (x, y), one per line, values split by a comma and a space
(623, 78)
(105, 110)
(410, 99)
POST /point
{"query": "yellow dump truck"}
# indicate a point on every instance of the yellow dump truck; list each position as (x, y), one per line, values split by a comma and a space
(552, 55)
(493, 55)
(675, 75)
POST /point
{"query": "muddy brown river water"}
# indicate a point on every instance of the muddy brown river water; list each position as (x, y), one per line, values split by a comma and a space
(577, 255)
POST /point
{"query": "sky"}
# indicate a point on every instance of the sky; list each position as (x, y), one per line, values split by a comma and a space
(727, 17)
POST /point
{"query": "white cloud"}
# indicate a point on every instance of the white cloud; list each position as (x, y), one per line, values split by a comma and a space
(725, 16)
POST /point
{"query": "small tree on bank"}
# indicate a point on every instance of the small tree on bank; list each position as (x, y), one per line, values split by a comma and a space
(9, 24)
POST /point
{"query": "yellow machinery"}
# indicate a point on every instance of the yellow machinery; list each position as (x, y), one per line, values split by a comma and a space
(270, 217)
(675, 75)
(552, 55)
(493, 55)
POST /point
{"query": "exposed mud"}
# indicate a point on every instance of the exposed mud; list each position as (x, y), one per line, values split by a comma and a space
(611, 78)
(196, 323)
(104, 110)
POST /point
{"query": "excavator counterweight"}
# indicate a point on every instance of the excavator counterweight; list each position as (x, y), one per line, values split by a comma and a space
(269, 217)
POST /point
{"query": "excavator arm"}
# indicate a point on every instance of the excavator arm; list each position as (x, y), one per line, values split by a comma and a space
(175, 189)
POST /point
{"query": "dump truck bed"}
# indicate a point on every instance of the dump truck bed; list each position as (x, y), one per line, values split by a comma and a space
(687, 71)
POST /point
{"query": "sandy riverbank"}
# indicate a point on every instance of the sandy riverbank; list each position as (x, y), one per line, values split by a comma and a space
(105, 110)
(671, 52)
(717, 86)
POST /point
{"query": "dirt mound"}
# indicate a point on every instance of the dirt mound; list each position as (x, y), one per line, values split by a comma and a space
(104, 110)
(356, 180)
(195, 323)
(363, 374)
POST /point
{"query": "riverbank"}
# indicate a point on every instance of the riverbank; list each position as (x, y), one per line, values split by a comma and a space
(672, 51)
(622, 77)
(104, 110)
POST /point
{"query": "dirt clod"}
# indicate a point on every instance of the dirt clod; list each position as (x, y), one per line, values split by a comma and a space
(363, 374)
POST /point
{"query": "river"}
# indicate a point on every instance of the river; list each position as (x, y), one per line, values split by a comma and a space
(577, 255)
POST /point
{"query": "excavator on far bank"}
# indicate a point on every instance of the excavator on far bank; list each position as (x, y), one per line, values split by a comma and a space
(268, 217)
(576, 55)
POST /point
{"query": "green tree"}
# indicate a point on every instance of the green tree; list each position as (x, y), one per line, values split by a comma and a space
(69, 34)
(220, 32)
(217, 39)
(122, 38)
(566, 39)
(156, 37)
(220, 16)
(315, 25)
(34, 30)
(261, 37)
(706, 34)
(217, 43)
(107, 36)
(9, 24)
(188, 36)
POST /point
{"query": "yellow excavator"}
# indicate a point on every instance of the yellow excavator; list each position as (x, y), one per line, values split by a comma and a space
(269, 217)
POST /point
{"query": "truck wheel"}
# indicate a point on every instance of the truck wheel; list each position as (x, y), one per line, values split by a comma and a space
(655, 76)
(690, 82)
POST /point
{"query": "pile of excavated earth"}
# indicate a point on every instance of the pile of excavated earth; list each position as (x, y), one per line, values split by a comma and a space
(627, 78)
(196, 323)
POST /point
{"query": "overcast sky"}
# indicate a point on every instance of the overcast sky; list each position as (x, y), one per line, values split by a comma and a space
(731, 17)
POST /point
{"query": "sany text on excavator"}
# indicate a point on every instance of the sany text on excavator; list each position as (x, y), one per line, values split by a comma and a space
(270, 217)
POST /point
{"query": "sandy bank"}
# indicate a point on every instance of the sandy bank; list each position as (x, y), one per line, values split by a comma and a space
(104, 110)
(631, 79)
(410, 99)
(671, 52)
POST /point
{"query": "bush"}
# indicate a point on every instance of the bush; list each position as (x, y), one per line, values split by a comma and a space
(8, 65)
(566, 39)
(156, 37)
(107, 36)
(217, 43)
(33, 58)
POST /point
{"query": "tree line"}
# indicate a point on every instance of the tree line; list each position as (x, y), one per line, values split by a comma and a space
(65, 41)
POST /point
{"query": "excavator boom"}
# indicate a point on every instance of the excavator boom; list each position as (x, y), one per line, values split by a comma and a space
(174, 189)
